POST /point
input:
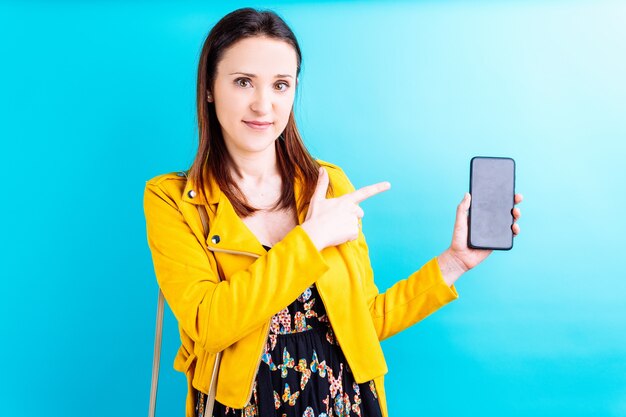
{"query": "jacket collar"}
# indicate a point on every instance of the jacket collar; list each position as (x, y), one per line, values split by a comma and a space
(214, 193)
(232, 233)
(193, 196)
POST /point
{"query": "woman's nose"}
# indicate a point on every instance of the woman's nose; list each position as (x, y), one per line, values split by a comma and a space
(262, 101)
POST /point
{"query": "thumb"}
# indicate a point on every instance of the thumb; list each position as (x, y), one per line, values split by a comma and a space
(465, 203)
(321, 187)
(461, 212)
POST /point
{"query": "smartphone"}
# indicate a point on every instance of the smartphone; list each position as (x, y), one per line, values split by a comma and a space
(492, 187)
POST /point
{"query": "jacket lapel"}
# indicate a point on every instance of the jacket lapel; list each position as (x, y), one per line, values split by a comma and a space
(229, 232)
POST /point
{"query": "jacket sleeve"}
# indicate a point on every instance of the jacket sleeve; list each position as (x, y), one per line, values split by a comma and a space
(216, 314)
(408, 300)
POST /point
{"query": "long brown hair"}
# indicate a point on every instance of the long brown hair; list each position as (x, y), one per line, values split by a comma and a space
(212, 158)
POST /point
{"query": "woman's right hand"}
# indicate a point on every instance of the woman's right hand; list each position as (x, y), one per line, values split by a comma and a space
(333, 221)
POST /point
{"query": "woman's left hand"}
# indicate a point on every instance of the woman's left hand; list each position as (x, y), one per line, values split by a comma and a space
(459, 257)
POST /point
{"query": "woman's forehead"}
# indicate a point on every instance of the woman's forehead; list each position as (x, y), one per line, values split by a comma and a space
(259, 56)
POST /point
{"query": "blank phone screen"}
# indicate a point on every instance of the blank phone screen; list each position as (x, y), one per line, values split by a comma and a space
(492, 186)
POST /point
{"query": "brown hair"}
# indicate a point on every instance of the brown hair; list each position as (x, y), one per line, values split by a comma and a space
(212, 158)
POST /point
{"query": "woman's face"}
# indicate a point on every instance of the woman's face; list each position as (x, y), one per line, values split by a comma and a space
(253, 91)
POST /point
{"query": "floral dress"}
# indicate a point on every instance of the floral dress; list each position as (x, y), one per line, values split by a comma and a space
(303, 371)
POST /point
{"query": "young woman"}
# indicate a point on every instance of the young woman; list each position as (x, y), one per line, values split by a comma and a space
(282, 286)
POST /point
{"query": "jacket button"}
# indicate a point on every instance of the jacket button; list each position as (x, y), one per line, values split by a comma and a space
(191, 193)
(215, 239)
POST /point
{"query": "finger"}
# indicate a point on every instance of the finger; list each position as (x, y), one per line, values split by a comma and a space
(516, 213)
(322, 186)
(515, 228)
(359, 212)
(366, 192)
(518, 198)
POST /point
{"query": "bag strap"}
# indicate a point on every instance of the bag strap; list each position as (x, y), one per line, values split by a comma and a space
(157, 354)
(210, 400)
(156, 360)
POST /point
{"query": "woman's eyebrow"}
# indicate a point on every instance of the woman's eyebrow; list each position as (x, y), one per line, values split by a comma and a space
(254, 76)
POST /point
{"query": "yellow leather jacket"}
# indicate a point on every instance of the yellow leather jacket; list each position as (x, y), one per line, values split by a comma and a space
(234, 315)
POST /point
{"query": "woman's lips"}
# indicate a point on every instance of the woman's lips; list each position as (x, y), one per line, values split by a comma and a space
(257, 125)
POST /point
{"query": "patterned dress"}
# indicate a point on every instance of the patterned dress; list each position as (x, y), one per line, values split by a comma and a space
(303, 371)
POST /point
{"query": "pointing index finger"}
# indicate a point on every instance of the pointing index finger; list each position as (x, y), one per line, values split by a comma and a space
(368, 191)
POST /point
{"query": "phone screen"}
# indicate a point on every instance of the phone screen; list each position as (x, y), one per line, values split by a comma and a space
(492, 186)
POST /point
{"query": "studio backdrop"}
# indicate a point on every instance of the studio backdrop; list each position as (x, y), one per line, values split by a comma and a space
(98, 97)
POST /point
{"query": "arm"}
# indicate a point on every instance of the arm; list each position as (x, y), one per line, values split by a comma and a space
(407, 301)
(216, 314)
(428, 289)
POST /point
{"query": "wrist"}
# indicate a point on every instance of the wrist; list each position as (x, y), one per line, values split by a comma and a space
(451, 266)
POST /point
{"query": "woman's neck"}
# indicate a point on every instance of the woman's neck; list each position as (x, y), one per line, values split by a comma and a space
(256, 169)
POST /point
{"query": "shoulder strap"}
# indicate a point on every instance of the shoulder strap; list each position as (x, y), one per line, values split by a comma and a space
(156, 360)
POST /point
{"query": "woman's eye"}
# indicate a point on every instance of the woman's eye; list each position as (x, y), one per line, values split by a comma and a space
(242, 82)
(284, 85)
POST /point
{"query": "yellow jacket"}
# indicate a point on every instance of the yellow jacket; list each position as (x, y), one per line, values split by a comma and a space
(234, 315)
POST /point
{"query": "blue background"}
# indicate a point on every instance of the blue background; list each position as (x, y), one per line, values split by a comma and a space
(98, 97)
